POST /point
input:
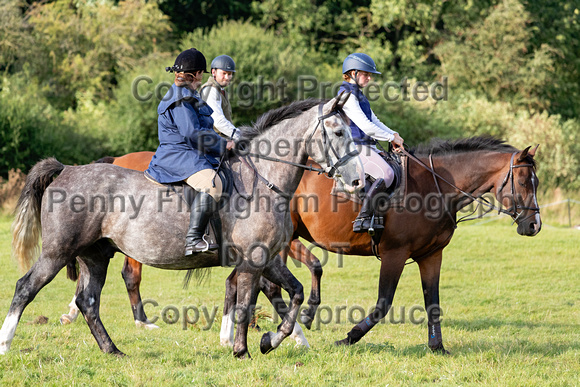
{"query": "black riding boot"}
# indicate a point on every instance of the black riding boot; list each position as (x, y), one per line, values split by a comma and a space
(202, 209)
(362, 223)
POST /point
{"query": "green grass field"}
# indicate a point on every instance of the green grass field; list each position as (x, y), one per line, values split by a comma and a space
(511, 316)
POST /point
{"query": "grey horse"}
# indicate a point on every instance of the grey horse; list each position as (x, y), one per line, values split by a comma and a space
(89, 212)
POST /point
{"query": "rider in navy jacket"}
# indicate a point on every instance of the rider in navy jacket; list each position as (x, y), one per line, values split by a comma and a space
(189, 149)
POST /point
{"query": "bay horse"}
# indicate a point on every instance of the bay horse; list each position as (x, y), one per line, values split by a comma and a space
(460, 172)
(442, 178)
(78, 231)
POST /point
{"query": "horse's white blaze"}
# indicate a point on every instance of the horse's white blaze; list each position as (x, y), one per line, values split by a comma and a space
(7, 332)
(227, 331)
(298, 336)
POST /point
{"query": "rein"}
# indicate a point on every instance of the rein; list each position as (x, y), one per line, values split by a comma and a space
(332, 167)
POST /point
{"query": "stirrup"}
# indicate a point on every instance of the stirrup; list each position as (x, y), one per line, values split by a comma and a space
(368, 224)
(196, 246)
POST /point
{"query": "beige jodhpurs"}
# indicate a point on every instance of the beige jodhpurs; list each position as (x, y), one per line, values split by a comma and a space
(202, 181)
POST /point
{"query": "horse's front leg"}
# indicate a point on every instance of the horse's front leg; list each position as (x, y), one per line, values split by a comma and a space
(247, 288)
(131, 274)
(430, 269)
(392, 264)
(277, 272)
(228, 317)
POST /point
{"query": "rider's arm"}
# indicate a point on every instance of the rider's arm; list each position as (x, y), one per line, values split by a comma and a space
(220, 122)
(375, 128)
(203, 139)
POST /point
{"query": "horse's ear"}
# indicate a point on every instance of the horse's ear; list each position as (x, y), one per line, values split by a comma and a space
(524, 153)
(533, 151)
(340, 100)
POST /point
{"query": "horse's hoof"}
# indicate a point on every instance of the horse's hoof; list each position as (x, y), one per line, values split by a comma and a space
(118, 353)
(146, 325)
(244, 354)
(343, 342)
(306, 320)
(226, 343)
(65, 319)
(266, 343)
(440, 350)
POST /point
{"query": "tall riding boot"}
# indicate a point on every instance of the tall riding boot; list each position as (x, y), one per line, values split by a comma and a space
(363, 223)
(202, 209)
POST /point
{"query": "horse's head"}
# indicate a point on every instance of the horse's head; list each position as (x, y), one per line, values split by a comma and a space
(517, 189)
(330, 144)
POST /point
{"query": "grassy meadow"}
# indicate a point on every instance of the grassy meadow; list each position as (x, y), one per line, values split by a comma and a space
(511, 316)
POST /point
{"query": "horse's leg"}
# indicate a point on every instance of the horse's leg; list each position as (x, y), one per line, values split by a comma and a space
(247, 289)
(430, 269)
(131, 273)
(274, 294)
(392, 265)
(93, 273)
(278, 273)
(227, 329)
(27, 287)
(299, 252)
(73, 312)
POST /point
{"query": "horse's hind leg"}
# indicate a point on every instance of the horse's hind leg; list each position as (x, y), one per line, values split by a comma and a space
(73, 312)
(278, 273)
(93, 270)
(27, 287)
(301, 253)
(131, 273)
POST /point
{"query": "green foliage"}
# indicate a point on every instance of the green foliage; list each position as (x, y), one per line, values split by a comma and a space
(262, 59)
(85, 45)
(557, 23)
(505, 68)
(31, 129)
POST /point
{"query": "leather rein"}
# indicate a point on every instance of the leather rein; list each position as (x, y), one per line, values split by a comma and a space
(330, 170)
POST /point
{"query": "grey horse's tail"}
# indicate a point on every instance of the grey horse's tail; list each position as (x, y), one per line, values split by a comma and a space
(26, 226)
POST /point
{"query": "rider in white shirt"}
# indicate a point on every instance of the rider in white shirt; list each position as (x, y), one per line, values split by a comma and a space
(213, 93)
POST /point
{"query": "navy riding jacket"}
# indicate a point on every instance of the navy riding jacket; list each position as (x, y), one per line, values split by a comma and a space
(358, 136)
(187, 141)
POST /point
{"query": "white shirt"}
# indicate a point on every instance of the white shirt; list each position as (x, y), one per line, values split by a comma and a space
(373, 127)
(214, 99)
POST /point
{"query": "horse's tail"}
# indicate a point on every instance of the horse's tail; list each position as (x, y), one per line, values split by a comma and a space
(26, 226)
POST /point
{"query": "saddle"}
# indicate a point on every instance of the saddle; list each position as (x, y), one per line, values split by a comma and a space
(396, 191)
(213, 232)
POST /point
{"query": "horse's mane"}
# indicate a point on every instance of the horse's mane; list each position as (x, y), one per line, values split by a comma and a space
(441, 147)
(275, 116)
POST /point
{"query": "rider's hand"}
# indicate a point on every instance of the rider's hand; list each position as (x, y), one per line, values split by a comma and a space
(230, 145)
(397, 142)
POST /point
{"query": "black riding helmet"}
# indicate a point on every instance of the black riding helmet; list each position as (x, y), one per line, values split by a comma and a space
(189, 61)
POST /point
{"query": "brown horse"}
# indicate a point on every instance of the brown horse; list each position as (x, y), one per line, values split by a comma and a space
(443, 178)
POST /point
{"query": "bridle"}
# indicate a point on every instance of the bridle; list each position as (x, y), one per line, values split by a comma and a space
(480, 200)
(515, 205)
(331, 166)
(513, 212)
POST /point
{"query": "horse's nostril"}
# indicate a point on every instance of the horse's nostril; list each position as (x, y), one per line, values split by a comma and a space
(355, 183)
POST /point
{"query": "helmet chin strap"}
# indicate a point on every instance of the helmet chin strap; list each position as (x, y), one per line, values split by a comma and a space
(355, 77)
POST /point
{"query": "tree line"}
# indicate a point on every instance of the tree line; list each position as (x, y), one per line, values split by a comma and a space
(82, 79)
